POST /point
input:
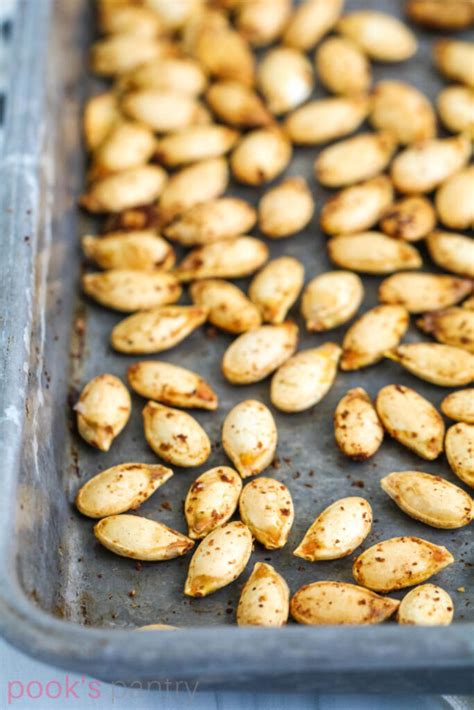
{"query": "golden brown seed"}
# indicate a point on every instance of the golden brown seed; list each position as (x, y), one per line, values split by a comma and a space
(357, 208)
(459, 406)
(453, 252)
(455, 59)
(175, 436)
(456, 109)
(163, 110)
(178, 74)
(266, 507)
(124, 52)
(140, 538)
(129, 188)
(326, 119)
(411, 419)
(469, 303)
(402, 109)
(142, 250)
(211, 500)
(373, 253)
(354, 159)
(410, 219)
(120, 488)
(430, 499)
(454, 200)
(219, 560)
(276, 287)
(367, 340)
(442, 365)
(229, 308)
(101, 112)
(285, 78)
(357, 428)
(342, 67)
(426, 605)
(171, 385)
(175, 15)
(389, 565)
(129, 290)
(310, 21)
(459, 446)
(256, 354)
(194, 143)
(103, 410)
(286, 208)
(265, 597)
(261, 22)
(331, 299)
(227, 259)
(127, 145)
(237, 105)
(330, 603)
(441, 15)
(260, 156)
(249, 437)
(225, 54)
(454, 326)
(421, 292)
(304, 379)
(156, 330)
(423, 166)
(382, 37)
(222, 218)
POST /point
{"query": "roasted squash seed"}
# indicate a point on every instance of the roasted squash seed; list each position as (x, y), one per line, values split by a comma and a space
(286, 208)
(127, 146)
(454, 202)
(402, 109)
(121, 53)
(367, 340)
(357, 428)
(373, 253)
(440, 15)
(237, 105)
(129, 188)
(225, 54)
(410, 219)
(227, 259)
(103, 410)
(326, 119)
(452, 252)
(357, 208)
(171, 385)
(249, 437)
(265, 597)
(382, 37)
(175, 436)
(354, 159)
(194, 143)
(426, 605)
(454, 326)
(276, 287)
(285, 78)
(260, 156)
(342, 67)
(163, 111)
(331, 299)
(222, 218)
(180, 74)
(421, 292)
(411, 420)
(468, 304)
(459, 406)
(219, 560)
(142, 250)
(399, 562)
(337, 531)
(229, 308)
(261, 22)
(101, 112)
(266, 507)
(459, 447)
(311, 21)
(120, 488)
(456, 109)
(442, 365)
(211, 500)
(340, 603)
(455, 59)
(129, 290)
(140, 538)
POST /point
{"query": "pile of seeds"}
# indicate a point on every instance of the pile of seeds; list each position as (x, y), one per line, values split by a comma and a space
(191, 106)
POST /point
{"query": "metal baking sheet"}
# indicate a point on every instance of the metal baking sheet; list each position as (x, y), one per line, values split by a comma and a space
(63, 597)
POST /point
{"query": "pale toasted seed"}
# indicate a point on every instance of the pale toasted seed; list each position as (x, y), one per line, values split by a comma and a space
(127, 189)
(411, 419)
(454, 200)
(276, 287)
(228, 306)
(367, 340)
(285, 78)
(101, 113)
(286, 208)
(129, 290)
(455, 59)
(454, 326)
(331, 603)
(225, 54)
(103, 410)
(456, 109)
(382, 37)
(402, 109)
(410, 219)
(222, 218)
(237, 105)
(441, 15)
(120, 488)
(140, 538)
(430, 499)
(211, 500)
(178, 74)
(389, 565)
(175, 15)
(421, 292)
(426, 605)
(453, 252)
(373, 253)
(227, 259)
(171, 385)
(266, 507)
(249, 437)
(156, 330)
(256, 354)
(357, 208)
(175, 436)
(459, 406)
(325, 120)
(423, 166)
(342, 67)
(219, 560)
(357, 428)
(128, 145)
(265, 597)
(121, 53)
(143, 250)
(311, 21)
(442, 365)
(331, 299)
(260, 156)
(354, 159)
(459, 446)
(163, 111)
(304, 379)
(194, 143)
(261, 22)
